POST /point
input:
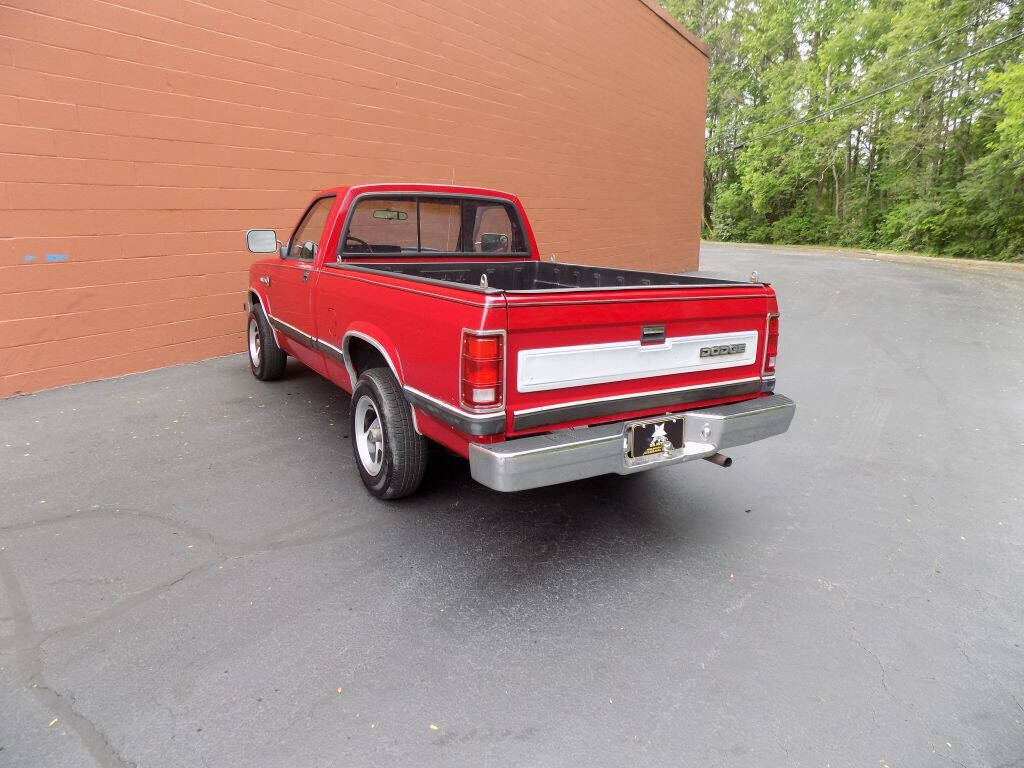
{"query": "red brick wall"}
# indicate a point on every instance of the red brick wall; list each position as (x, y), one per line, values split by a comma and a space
(139, 138)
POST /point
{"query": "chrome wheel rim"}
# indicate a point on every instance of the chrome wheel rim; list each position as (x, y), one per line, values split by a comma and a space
(255, 342)
(369, 435)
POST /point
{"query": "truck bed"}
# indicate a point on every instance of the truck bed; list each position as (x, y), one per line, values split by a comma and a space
(586, 345)
(531, 276)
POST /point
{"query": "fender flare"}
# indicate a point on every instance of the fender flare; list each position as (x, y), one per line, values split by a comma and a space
(255, 298)
(375, 336)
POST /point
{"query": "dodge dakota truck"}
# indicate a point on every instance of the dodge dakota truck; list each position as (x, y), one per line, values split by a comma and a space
(432, 307)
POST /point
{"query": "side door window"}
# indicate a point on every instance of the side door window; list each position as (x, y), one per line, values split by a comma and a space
(303, 245)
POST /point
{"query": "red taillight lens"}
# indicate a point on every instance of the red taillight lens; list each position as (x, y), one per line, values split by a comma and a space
(481, 346)
(482, 370)
(771, 349)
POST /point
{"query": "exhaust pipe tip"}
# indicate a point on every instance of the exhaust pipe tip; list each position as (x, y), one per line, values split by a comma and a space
(720, 459)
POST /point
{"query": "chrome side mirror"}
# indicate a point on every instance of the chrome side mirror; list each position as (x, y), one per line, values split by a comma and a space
(261, 241)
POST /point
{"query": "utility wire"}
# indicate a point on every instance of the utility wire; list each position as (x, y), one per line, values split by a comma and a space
(873, 94)
(942, 92)
(903, 55)
(921, 47)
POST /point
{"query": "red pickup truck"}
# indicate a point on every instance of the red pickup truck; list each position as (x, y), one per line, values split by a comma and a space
(432, 307)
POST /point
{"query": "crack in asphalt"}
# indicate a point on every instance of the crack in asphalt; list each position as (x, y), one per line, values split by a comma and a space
(26, 641)
(31, 663)
(100, 512)
(878, 661)
(26, 637)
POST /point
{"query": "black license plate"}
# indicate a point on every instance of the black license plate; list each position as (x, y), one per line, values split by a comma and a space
(655, 437)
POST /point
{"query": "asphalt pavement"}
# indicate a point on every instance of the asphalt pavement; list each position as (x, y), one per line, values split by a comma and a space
(191, 573)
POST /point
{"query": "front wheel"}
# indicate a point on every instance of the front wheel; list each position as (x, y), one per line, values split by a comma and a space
(390, 455)
(266, 359)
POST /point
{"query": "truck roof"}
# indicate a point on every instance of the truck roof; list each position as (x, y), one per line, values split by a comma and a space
(413, 187)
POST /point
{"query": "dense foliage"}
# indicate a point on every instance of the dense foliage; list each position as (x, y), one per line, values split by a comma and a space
(934, 164)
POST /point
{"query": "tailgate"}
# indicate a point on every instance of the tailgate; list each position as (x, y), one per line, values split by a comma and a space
(585, 357)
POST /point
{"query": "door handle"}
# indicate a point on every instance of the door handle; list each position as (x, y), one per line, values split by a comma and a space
(305, 276)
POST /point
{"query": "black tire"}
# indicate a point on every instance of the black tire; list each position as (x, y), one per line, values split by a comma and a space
(266, 360)
(392, 462)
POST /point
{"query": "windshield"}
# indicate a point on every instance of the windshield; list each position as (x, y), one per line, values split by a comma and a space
(434, 225)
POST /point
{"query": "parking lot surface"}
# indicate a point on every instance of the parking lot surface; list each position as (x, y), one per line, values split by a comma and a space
(191, 573)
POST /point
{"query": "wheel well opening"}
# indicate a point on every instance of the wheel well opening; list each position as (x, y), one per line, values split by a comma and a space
(363, 356)
(254, 298)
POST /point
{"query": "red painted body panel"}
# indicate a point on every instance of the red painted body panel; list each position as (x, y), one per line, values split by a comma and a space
(418, 326)
(539, 320)
(294, 306)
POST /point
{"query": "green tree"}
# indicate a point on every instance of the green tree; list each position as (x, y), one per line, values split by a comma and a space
(1008, 86)
(875, 123)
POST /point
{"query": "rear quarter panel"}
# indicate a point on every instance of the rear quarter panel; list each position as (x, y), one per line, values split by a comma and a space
(420, 326)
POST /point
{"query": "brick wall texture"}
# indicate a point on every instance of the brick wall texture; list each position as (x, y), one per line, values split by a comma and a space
(140, 138)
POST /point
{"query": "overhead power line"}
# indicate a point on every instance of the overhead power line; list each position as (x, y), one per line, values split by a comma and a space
(922, 46)
(873, 94)
(904, 55)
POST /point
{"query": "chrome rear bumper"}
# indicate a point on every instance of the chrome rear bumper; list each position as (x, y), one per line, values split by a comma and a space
(573, 454)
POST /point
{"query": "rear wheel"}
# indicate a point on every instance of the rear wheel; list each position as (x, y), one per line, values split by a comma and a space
(266, 359)
(390, 455)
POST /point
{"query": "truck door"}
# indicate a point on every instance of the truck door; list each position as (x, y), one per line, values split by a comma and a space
(291, 285)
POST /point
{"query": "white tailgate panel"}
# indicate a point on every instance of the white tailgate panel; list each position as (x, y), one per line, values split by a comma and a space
(560, 367)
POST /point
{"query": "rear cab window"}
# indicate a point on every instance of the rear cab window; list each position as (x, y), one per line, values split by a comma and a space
(421, 225)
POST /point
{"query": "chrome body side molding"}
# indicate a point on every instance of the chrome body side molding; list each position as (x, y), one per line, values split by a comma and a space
(292, 332)
(306, 340)
(331, 351)
(469, 423)
(606, 406)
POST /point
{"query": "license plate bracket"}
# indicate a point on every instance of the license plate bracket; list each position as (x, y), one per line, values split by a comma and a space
(652, 439)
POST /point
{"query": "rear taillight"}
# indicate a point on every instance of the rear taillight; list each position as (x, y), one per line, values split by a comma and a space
(482, 370)
(771, 347)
